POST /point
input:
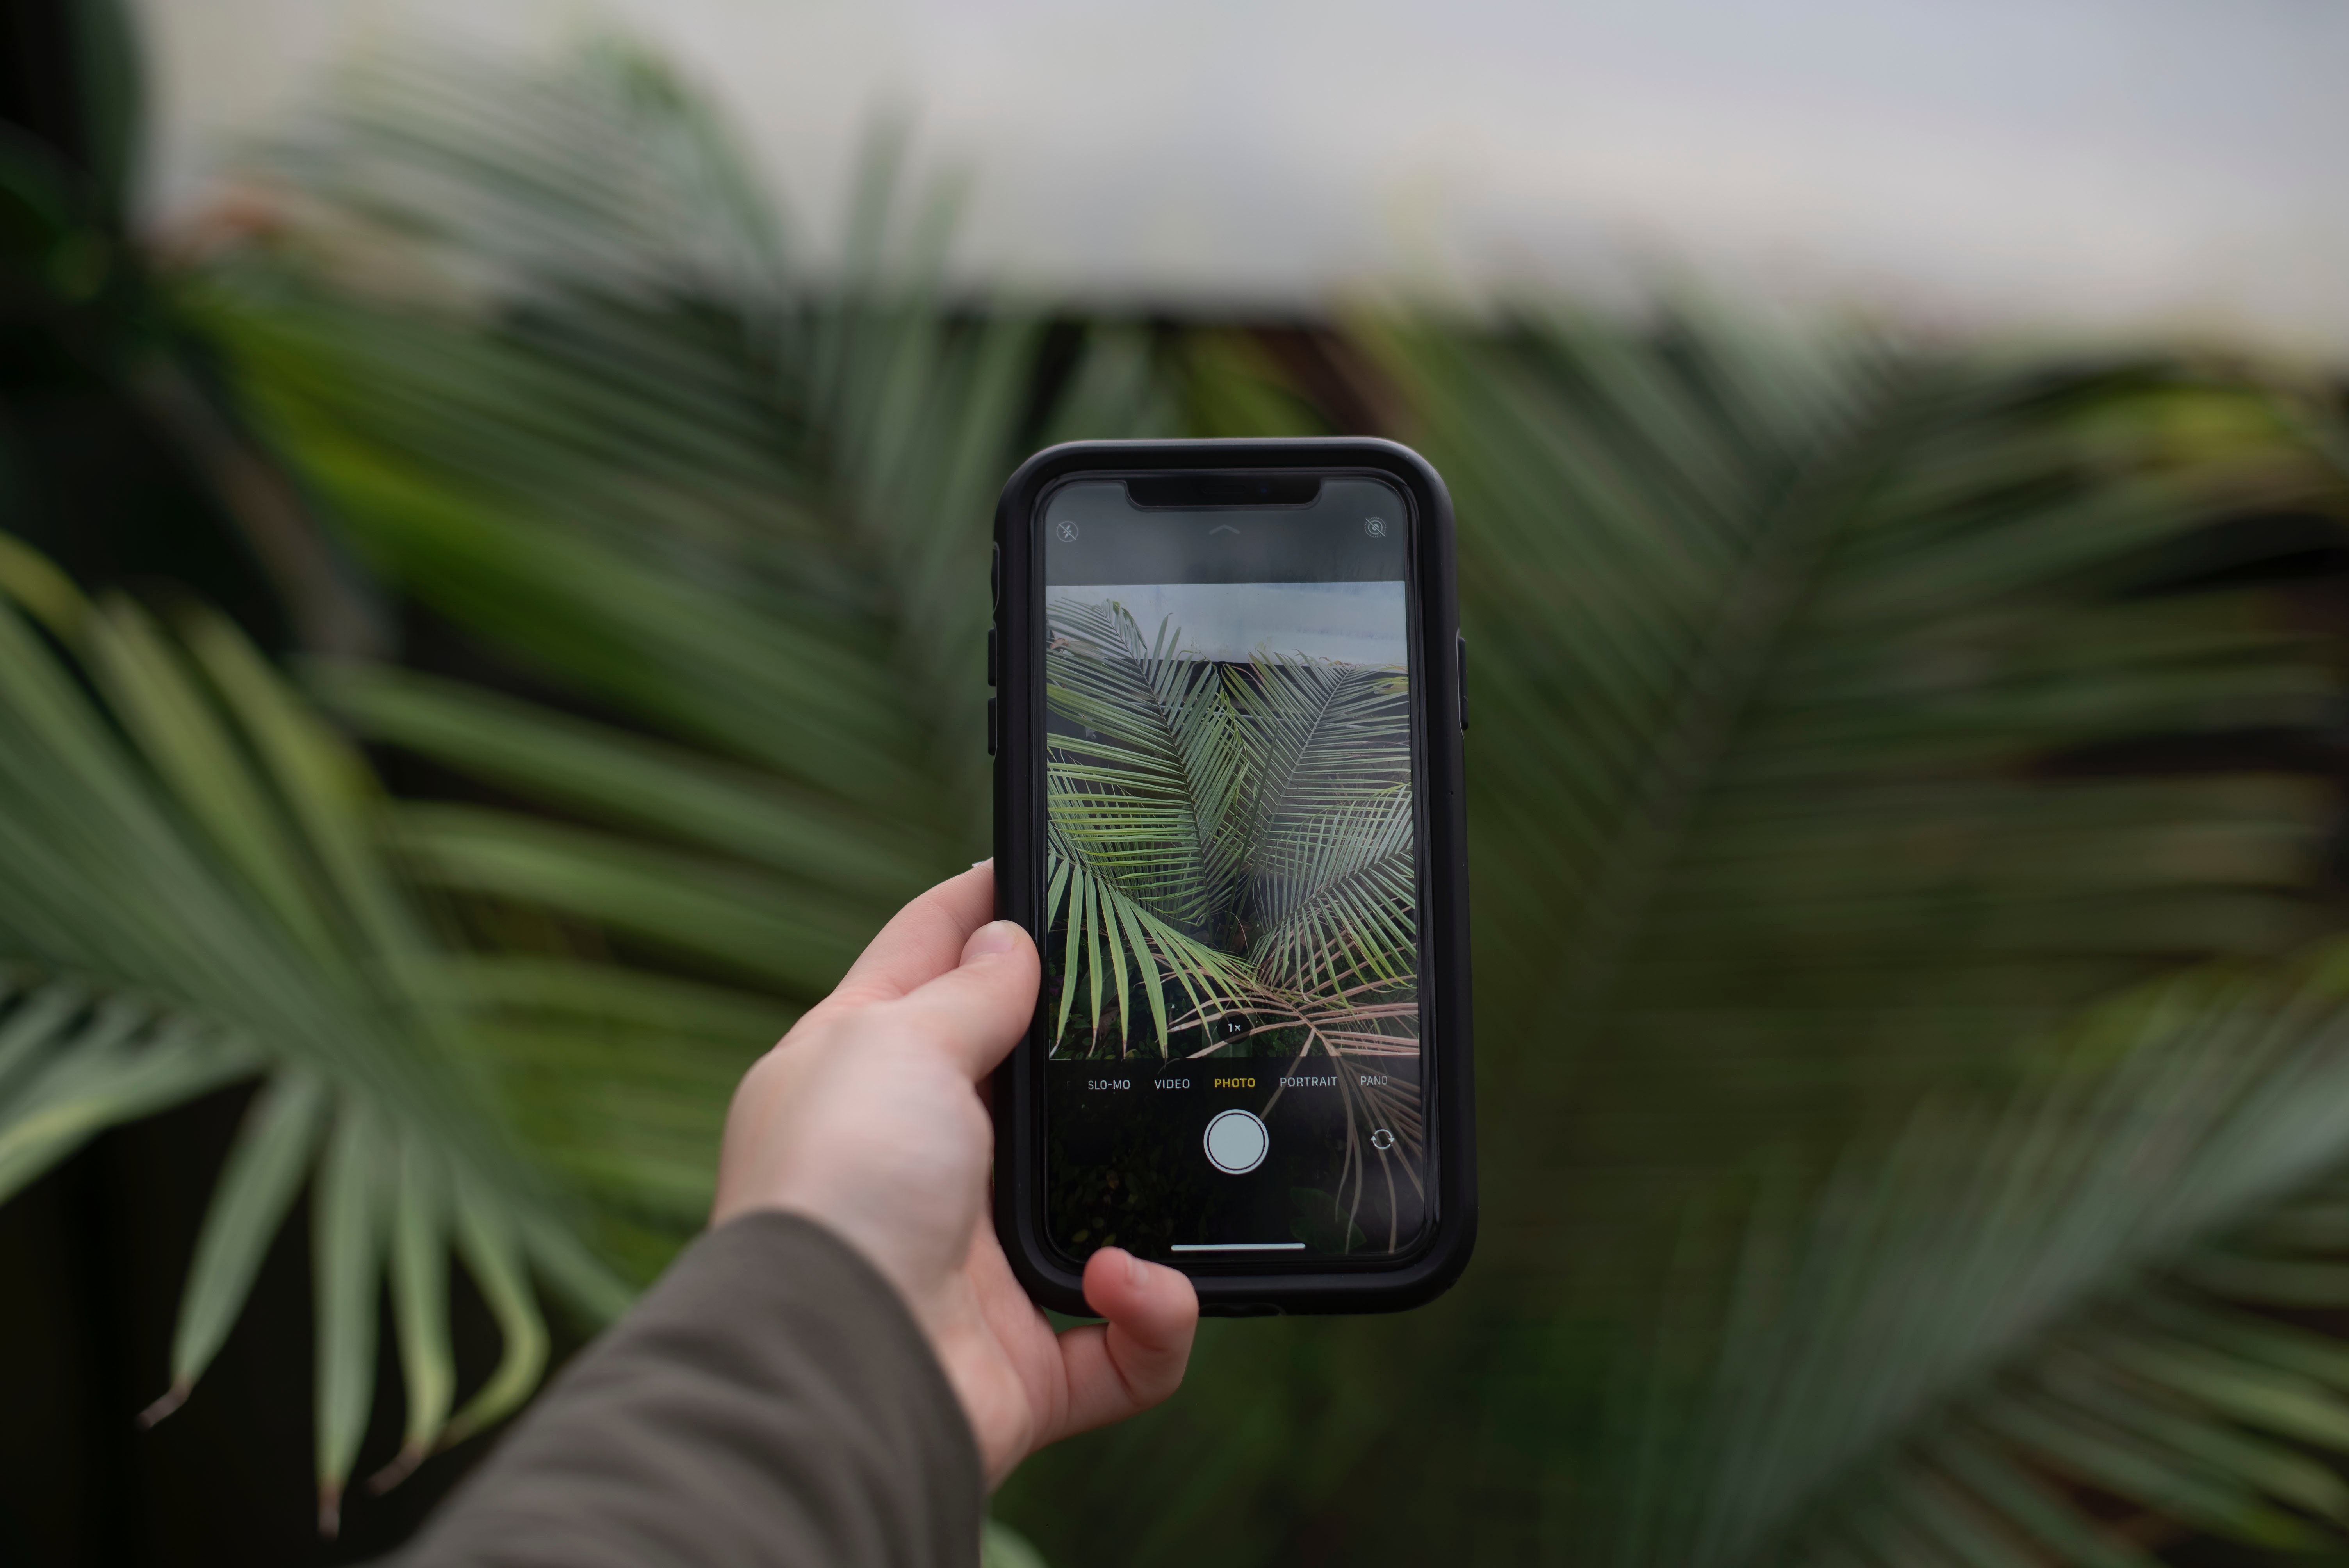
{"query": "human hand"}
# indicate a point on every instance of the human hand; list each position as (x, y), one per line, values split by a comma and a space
(867, 1118)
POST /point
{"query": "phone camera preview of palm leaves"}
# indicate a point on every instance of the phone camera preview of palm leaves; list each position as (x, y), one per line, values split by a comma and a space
(1233, 917)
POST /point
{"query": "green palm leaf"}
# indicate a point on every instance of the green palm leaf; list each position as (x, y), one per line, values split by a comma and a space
(72, 1066)
(200, 855)
(1144, 771)
(1816, 795)
(2077, 1289)
(1332, 895)
(740, 516)
(1148, 771)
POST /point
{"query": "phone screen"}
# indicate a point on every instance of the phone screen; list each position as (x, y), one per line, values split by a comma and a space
(1232, 944)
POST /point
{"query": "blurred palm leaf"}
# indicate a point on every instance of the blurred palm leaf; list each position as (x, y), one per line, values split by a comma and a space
(191, 891)
(713, 504)
(1855, 728)
(2088, 1294)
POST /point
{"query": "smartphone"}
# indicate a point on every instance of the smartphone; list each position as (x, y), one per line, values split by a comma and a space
(1229, 700)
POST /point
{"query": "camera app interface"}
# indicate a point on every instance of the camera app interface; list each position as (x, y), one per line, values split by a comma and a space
(1232, 933)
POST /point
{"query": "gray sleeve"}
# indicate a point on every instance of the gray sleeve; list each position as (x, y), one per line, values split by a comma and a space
(770, 1402)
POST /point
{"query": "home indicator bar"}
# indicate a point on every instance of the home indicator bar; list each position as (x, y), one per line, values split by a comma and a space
(1240, 1247)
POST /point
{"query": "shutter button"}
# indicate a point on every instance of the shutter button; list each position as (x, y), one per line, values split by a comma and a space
(1237, 1141)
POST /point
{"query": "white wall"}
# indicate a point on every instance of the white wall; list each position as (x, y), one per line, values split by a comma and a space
(2066, 166)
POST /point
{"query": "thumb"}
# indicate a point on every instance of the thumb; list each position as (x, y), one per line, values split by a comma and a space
(979, 1009)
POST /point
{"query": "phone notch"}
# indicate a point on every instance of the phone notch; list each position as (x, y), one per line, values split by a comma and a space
(1154, 492)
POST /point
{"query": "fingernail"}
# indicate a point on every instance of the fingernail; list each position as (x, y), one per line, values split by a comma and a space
(1132, 1270)
(995, 936)
(989, 861)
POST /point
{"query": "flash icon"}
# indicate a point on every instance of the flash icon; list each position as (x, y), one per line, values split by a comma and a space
(1067, 531)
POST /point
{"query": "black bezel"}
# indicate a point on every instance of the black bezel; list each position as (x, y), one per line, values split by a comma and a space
(1449, 1086)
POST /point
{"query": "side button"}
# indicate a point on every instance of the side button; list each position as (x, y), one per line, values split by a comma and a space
(990, 727)
(990, 655)
(994, 577)
(1463, 684)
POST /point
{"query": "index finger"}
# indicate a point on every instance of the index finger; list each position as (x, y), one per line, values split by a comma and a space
(922, 941)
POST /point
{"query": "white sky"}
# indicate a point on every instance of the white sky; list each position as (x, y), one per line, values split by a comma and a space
(1356, 623)
(2066, 167)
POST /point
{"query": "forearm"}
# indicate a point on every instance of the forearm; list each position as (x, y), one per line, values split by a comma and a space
(770, 1402)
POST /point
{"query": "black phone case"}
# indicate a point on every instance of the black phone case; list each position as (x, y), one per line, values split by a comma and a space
(1014, 716)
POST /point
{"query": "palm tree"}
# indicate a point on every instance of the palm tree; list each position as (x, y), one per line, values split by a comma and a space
(1901, 803)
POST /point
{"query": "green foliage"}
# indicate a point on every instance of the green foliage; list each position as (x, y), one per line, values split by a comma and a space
(1004, 1547)
(1243, 834)
(1233, 845)
(193, 862)
(2074, 1290)
(1907, 1136)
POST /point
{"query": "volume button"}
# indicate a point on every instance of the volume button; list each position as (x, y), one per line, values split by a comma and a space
(1463, 684)
(990, 727)
(990, 655)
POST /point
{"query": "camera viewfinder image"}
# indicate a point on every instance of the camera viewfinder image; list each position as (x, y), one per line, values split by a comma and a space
(1232, 908)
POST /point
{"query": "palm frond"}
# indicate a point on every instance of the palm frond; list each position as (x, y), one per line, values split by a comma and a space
(1332, 891)
(1143, 770)
(627, 445)
(1146, 785)
(1100, 928)
(623, 779)
(72, 1065)
(1819, 784)
(808, 468)
(1339, 898)
(2076, 1291)
(196, 867)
